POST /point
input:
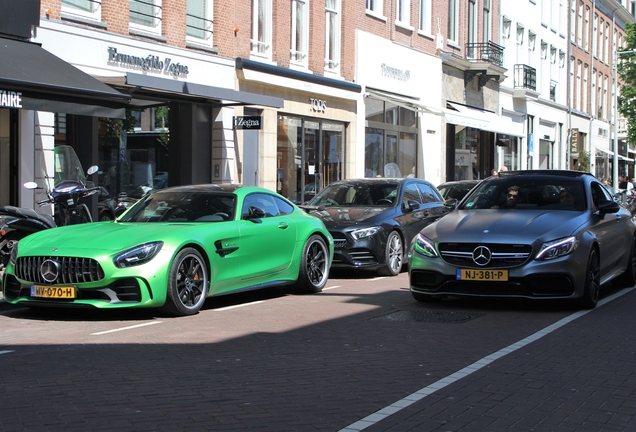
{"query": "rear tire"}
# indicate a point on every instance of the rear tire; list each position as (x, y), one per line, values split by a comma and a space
(187, 284)
(592, 289)
(314, 266)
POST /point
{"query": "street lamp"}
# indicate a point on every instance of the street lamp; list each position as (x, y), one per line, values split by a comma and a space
(615, 140)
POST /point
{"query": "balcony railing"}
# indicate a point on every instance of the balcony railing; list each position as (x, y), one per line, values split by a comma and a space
(145, 13)
(199, 27)
(485, 51)
(525, 77)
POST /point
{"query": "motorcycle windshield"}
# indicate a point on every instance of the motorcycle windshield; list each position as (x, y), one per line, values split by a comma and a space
(67, 166)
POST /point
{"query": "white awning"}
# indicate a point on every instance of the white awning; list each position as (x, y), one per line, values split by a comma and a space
(406, 102)
(481, 119)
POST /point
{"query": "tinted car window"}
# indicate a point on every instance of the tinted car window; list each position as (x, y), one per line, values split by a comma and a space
(182, 206)
(556, 193)
(284, 208)
(411, 193)
(428, 193)
(357, 194)
(262, 201)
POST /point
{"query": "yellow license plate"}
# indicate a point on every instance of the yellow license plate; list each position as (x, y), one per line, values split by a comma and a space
(482, 275)
(55, 292)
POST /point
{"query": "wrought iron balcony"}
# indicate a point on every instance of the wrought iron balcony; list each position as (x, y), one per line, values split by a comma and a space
(485, 51)
(525, 77)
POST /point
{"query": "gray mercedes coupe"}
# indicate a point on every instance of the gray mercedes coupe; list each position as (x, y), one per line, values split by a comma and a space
(527, 234)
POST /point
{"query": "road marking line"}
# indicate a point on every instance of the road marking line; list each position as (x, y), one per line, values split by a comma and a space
(330, 288)
(377, 278)
(126, 328)
(238, 306)
(417, 396)
(6, 352)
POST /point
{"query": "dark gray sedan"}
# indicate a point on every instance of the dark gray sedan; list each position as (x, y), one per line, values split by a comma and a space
(373, 220)
(527, 234)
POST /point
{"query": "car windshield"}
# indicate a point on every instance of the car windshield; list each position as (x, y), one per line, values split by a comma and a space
(182, 206)
(357, 195)
(455, 191)
(528, 192)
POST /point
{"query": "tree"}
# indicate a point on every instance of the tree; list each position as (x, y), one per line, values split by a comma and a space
(584, 161)
(626, 67)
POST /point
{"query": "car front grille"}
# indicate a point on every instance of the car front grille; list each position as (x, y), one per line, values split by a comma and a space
(339, 240)
(502, 255)
(71, 270)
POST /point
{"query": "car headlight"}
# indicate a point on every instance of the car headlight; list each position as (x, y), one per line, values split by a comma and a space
(557, 248)
(364, 232)
(424, 246)
(138, 255)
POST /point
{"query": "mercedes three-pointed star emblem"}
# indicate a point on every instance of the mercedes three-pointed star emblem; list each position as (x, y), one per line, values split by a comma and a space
(482, 255)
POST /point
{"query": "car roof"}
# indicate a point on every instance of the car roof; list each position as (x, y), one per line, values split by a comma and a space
(563, 173)
(376, 180)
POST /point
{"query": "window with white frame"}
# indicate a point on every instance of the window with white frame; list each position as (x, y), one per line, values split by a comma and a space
(579, 84)
(261, 40)
(472, 22)
(579, 25)
(487, 20)
(601, 37)
(199, 21)
(593, 93)
(299, 32)
(506, 25)
(605, 81)
(606, 47)
(145, 15)
(543, 66)
(585, 88)
(90, 9)
(586, 30)
(532, 43)
(572, 20)
(453, 21)
(571, 81)
(403, 13)
(595, 36)
(332, 35)
(545, 12)
(375, 7)
(425, 18)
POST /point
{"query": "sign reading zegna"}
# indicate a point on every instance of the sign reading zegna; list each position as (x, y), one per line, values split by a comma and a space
(10, 99)
(151, 63)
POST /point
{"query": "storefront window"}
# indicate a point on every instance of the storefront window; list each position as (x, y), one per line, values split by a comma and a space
(467, 154)
(545, 154)
(310, 155)
(391, 140)
(133, 153)
(5, 158)
(507, 152)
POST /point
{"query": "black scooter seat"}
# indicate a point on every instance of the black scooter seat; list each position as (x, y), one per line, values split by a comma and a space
(29, 213)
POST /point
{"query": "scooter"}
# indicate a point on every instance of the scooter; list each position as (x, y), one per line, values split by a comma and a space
(70, 186)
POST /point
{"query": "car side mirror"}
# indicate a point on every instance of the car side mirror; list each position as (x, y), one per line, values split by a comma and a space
(412, 205)
(607, 207)
(254, 213)
(450, 204)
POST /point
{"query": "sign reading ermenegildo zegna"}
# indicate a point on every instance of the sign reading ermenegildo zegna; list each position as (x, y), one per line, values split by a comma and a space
(395, 73)
(10, 99)
(150, 63)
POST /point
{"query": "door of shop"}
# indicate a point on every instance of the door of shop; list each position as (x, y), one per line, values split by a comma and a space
(310, 156)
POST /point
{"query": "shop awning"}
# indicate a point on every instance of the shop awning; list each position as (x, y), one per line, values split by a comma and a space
(480, 119)
(34, 79)
(403, 101)
(167, 88)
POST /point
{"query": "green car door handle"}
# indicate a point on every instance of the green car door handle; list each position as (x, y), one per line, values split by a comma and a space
(283, 225)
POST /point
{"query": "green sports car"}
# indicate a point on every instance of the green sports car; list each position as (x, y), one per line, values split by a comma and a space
(171, 250)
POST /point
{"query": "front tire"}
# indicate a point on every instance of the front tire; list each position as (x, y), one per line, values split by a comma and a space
(314, 266)
(393, 255)
(592, 289)
(187, 284)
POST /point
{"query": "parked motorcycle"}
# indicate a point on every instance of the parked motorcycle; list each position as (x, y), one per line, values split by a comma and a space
(69, 187)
